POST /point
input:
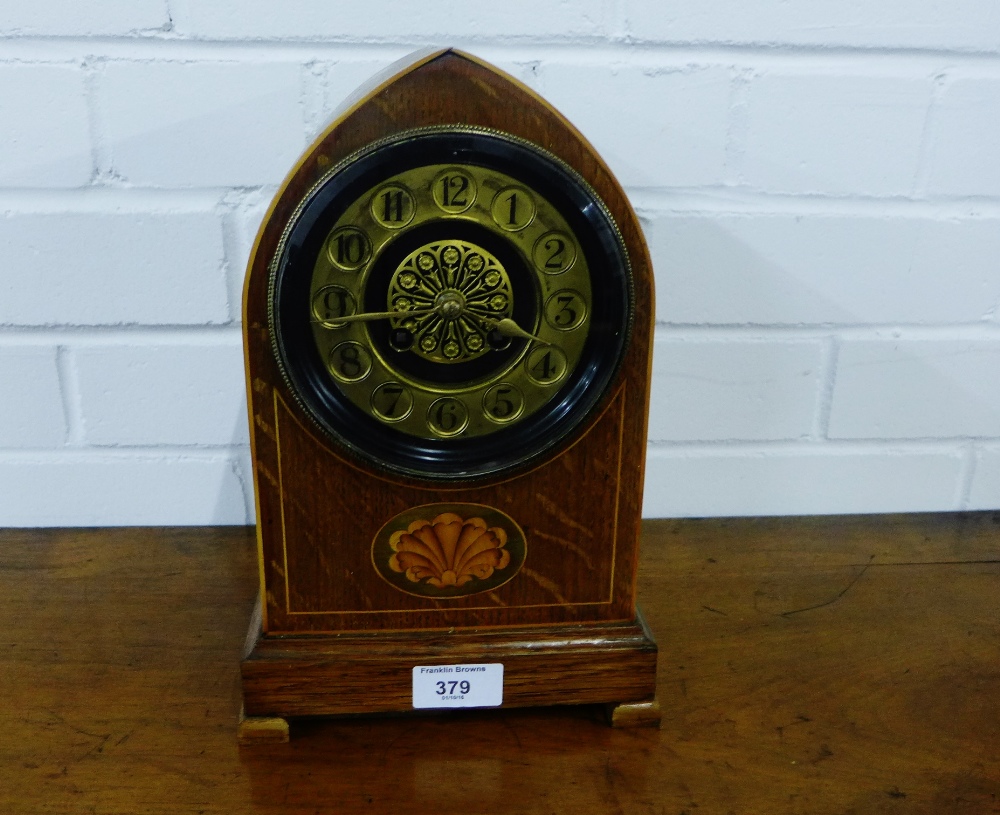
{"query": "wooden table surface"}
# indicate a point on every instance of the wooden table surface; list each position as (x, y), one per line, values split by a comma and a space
(810, 665)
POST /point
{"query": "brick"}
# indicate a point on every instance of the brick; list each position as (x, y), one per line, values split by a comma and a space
(44, 127)
(203, 124)
(444, 22)
(916, 389)
(792, 269)
(965, 154)
(342, 81)
(69, 18)
(655, 128)
(737, 482)
(985, 492)
(243, 465)
(92, 490)
(163, 394)
(960, 24)
(31, 408)
(816, 133)
(246, 222)
(731, 390)
(93, 268)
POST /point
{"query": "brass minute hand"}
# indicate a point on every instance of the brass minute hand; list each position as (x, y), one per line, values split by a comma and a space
(365, 316)
(509, 328)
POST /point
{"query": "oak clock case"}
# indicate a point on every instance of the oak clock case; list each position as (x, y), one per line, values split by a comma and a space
(450, 304)
(447, 321)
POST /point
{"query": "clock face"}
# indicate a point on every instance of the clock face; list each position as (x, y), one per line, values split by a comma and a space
(451, 303)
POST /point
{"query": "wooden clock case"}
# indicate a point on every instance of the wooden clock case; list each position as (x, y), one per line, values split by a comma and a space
(333, 637)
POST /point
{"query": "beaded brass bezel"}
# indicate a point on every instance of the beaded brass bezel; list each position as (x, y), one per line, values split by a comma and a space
(454, 410)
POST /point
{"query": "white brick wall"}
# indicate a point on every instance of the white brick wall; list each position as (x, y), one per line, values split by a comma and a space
(959, 25)
(31, 399)
(986, 485)
(782, 480)
(963, 156)
(718, 390)
(923, 389)
(813, 132)
(401, 22)
(135, 395)
(105, 268)
(681, 109)
(819, 183)
(202, 124)
(69, 18)
(869, 267)
(44, 126)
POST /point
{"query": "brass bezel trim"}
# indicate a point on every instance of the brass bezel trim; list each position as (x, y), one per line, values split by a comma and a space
(277, 345)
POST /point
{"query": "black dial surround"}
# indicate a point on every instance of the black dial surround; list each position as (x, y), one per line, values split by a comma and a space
(454, 458)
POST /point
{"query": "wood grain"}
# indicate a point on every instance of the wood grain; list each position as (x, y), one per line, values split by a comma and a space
(371, 673)
(318, 509)
(808, 666)
(580, 563)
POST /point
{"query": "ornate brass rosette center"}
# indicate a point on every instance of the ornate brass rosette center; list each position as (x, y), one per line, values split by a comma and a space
(455, 291)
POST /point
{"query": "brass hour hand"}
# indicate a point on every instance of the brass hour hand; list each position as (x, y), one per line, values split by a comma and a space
(508, 328)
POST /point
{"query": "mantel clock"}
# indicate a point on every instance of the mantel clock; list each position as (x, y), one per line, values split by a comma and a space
(447, 318)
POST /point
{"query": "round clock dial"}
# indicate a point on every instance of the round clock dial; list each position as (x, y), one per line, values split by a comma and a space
(450, 303)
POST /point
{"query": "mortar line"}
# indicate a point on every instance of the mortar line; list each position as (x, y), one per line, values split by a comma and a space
(599, 47)
(72, 399)
(828, 379)
(967, 477)
(928, 136)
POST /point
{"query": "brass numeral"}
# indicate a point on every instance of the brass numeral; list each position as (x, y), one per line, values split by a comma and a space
(447, 416)
(350, 362)
(554, 253)
(348, 248)
(545, 366)
(454, 191)
(332, 302)
(391, 401)
(513, 209)
(503, 403)
(565, 310)
(393, 206)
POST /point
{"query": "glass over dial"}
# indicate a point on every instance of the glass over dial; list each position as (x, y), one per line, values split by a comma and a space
(450, 304)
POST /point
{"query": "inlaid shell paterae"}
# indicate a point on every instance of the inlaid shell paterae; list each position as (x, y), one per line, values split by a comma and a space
(448, 550)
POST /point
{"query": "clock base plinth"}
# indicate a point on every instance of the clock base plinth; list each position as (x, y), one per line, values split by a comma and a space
(350, 674)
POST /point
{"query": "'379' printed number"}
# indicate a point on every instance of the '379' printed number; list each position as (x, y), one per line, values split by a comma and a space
(442, 688)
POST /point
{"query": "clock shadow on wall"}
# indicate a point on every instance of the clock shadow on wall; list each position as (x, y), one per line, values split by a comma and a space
(447, 330)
